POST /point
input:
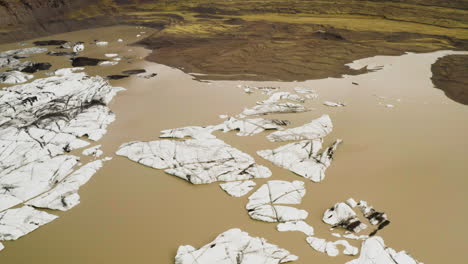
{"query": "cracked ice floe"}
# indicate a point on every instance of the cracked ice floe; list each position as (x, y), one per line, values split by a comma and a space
(22, 52)
(238, 188)
(276, 97)
(15, 223)
(249, 127)
(264, 204)
(316, 129)
(64, 96)
(375, 218)
(20, 184)
(198, 161)
(275, 108)
(330, 248)
(300, 226)
(93, 151)
(342, 215)
(234, 246)
(13, 77)
(303, 158)
(373, 250)
(246, 127)
(41, 120)
(333, 104)
(65, 71)
(64, 195)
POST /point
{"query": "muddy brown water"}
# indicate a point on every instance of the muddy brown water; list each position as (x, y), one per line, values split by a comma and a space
(410, 161)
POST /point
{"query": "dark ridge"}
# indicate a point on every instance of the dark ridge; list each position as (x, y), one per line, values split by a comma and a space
(35, 67)
(49, 42)
(84, 61)
(133, 72)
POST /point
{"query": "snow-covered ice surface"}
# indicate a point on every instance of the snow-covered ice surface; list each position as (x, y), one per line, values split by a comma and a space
(234, 247)
(14, 77)
(334, 104)
(303, 158)
(374, 251)
(238, 188)
(318, 128)
(15, 223)
(93, 151)
(275, 108)
(267, 202)
(64, 195)
(247, 127)
(198, 161)
(330, 248)
(300, 226)
(40, 122)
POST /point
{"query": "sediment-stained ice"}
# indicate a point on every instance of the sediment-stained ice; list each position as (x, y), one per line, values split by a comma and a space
(330, 248)
(15, 223)
(303, 90)
(300, 226)
(14, 77)
(265, 204)
(276, 97)
(303, 158)
(247, 127)
(20, 184)
(342, 215)
(375, 218)
(374, 251)
(93, 151)
(238, 188)
(22, 52)
(40, 121)
(333, 104)
(64, 195)
(318, 128)
(275, 108)
(234, 247)
(198, 161)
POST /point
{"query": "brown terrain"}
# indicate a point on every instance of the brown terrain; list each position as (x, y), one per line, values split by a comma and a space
(257, 40)
(450, 74)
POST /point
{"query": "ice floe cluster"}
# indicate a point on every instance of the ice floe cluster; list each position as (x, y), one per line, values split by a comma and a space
(40, 122)
(303, 157)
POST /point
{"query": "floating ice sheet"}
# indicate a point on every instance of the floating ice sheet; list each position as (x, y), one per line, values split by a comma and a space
(14, 77)
(265, 204)
(64, 195)
(330, 248)
(374, 251)
(198, 161)
(318, 128)
(342, 215)
(15, 223)
(303, 158)
(238, 188)
(300, 226)
(275, 108)
(234, 246)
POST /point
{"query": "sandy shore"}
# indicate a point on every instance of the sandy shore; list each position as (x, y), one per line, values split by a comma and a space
(409, 161)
